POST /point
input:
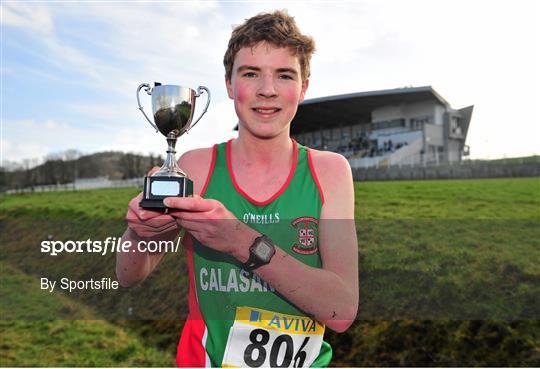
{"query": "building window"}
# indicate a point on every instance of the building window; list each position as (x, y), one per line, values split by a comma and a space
(394, 123)
(327, 134)
(419, 122)
(455, 127)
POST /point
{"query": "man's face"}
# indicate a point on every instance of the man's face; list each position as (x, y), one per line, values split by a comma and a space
(266, 86)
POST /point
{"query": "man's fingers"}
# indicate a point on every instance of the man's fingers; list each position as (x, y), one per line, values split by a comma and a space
(189, 225)
(148, 233)
(188, 215)
(195, 203)
(156, 225)
(144, 214)
(153, 220)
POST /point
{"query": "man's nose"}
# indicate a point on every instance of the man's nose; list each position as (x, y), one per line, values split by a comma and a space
(267, 87)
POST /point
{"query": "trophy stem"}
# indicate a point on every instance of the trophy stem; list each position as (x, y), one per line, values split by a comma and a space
(170, 167)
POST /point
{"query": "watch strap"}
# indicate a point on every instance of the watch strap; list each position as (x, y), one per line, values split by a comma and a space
(251, 263)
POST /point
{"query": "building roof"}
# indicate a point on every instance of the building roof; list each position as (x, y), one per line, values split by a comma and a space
(353, 108)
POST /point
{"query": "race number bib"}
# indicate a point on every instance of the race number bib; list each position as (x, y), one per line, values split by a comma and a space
(262, 338)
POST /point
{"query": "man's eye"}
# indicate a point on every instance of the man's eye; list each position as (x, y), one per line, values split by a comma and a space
(285, 76)
(249, 74)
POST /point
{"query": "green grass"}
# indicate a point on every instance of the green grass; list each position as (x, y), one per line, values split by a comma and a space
(478, 199)
(95, 204)
(450, 248)
(33, 303)
(436, 251)
(74, 343)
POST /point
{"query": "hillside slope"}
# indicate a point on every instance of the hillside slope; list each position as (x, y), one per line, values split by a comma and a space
(73, 343)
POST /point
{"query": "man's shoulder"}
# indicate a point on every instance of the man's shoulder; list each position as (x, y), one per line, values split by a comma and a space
(332, 170)
(196, 155)
(328, 163)
(196, 163)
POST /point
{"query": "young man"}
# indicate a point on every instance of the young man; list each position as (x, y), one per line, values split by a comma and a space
(271, 241)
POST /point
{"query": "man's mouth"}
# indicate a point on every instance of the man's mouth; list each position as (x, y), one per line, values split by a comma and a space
(266, 110)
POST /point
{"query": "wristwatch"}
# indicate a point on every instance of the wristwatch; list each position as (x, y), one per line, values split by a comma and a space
(260, 253)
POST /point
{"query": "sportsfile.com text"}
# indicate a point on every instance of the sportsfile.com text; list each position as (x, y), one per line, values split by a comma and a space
(110, 244)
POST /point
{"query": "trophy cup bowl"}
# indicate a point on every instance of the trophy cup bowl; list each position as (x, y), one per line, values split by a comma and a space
(173, 108)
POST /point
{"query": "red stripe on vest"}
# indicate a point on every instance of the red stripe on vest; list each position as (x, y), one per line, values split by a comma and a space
(191, 351)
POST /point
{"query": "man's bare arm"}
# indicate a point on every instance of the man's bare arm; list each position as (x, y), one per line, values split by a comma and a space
(134, 266)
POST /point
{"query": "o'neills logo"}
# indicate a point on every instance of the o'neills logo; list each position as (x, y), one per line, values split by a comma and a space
(261, 218)
(306, 236)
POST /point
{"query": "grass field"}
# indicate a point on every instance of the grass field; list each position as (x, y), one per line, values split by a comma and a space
(460, 248)
(449, 275)
(62, 342)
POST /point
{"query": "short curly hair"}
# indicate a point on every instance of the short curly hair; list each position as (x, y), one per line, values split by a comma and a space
(277, 28)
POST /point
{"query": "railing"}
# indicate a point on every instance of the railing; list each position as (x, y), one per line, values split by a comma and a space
(440, 169)
(83, 185)
(403, 155)
(411, 156)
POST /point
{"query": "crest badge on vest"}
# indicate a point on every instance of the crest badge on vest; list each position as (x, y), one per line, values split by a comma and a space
(306, 236)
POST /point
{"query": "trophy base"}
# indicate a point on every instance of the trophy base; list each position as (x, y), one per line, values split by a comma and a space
(157, 188)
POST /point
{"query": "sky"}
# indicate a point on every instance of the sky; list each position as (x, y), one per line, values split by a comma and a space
(70, 70)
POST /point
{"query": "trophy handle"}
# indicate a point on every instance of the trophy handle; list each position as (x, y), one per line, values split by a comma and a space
(148, 90)
(200, 90)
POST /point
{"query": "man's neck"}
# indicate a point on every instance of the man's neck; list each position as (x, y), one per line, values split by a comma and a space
(270, 152)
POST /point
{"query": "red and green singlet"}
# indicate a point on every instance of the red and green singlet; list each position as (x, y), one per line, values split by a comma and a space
(235, 318)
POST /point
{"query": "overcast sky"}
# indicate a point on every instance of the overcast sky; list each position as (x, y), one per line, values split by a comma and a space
(70, 70)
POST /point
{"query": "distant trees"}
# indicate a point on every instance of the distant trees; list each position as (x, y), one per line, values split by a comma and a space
(130, 166)
(66, 166)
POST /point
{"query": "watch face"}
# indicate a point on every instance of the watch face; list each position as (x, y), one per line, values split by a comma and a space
(264, 251)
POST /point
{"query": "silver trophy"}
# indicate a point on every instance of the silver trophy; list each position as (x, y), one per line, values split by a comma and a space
(173, 108)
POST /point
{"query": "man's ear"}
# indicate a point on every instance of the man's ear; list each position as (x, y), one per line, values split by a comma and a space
(305, 86)
(229, 88)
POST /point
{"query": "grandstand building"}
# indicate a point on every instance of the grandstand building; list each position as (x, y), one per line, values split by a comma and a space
(403, 126)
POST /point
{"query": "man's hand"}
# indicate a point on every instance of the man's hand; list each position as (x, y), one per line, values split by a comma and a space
(212, 224)
(148, 223)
